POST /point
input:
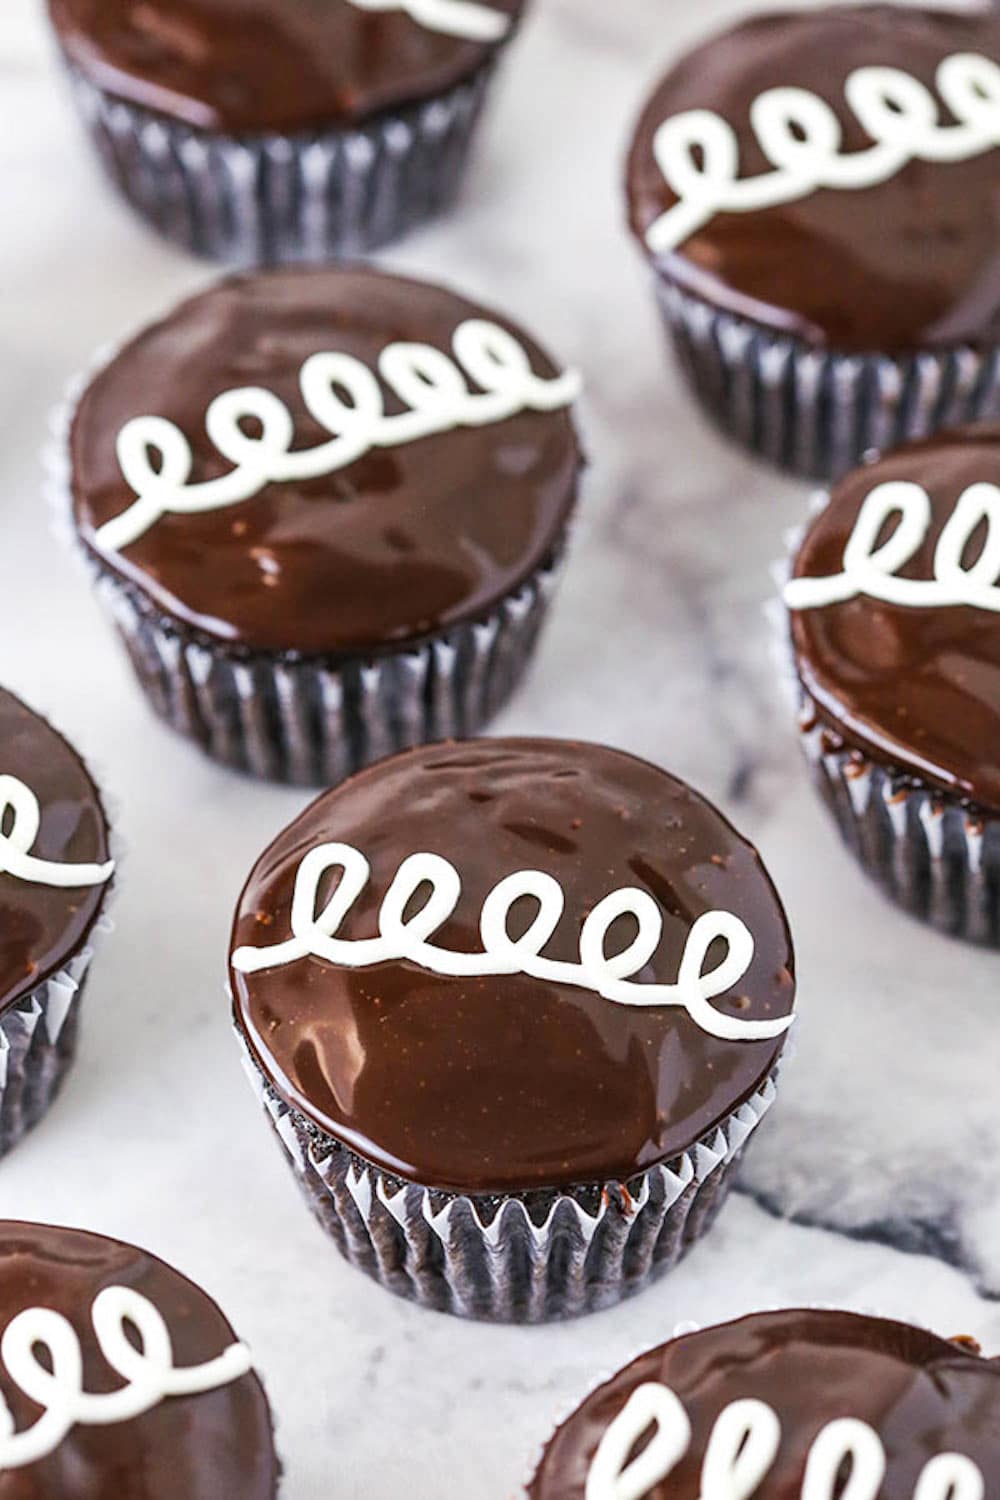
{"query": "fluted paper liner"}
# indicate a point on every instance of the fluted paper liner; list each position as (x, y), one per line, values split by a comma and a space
(267, 198)
(815, 411)
(528, 1258)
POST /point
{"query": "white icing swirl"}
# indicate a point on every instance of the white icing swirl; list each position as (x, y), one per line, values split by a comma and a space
(402, 937)
(798, 132)
(435, 388)
(149, 1372)
(873, 570)
(20, 820)
(741, 1451)
(461, 18)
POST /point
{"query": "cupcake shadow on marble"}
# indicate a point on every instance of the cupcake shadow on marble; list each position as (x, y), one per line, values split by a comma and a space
(289, 132)
(482, 1111)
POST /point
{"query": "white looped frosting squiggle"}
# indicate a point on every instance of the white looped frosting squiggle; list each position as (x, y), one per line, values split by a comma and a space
(435, 388)
(698, 151)
(408, 937)
(742, 1448)
(874, 570)
(148, 1372)
(20, 820)
(462, 18)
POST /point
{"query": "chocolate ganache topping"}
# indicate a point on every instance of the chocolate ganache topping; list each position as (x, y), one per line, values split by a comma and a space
(262, 65)
(419, 499)
(520, 1077)
(909, 674)
(42, 925)
(864, 214)
(210, 1444)
(920, 1395)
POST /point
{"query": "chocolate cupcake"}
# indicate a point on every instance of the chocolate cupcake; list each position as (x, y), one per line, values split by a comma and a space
(786, 1404)
(513, 1008)
(895, 629)
(119, 1377)
(55, 880)
(815, 191)
(275, 130)
(326, 510)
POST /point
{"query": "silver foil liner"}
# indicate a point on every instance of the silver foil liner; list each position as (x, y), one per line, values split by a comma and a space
(530, 1258)
(269, 198)
(935, 857)
(314, 721)
(37, 1044)
(814, 411)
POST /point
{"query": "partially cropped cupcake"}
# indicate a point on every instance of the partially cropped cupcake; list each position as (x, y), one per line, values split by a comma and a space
(894, 609)
(55, 880)
(326, 510)
(806, 1404)
(120, 1378)
(275, 130)
(514, 1008)
(816, 193)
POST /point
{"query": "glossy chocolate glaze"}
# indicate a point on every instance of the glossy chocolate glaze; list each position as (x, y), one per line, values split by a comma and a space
(922, 1395)
(402, 543)
(916, 689)
(211, 1446)
(503, 1084)
(912, 262)
(42, 927)
(260, 65)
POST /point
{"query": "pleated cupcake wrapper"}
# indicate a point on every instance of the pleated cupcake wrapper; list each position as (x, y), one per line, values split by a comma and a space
(308, 721)
(311, 196)
(505, 1259)
(931, 854)
(38, 1043)
(815, 411)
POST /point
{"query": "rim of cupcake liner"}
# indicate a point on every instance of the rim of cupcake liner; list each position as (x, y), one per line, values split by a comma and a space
(538, 1206)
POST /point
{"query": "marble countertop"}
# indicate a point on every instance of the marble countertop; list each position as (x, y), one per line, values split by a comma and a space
(875, 1182)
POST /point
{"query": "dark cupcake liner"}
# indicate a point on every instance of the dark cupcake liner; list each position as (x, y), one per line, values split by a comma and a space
(314, 721)
(37, 1045)
(935, 857)
(530, 1258)
(269, 198)
(814, 411)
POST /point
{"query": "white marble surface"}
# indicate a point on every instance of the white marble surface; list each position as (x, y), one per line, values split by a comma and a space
(888, 1129)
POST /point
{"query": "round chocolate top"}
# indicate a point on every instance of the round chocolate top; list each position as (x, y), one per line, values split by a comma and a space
(909, 261)
(404, 541)
(921, 1394)
(43, 926)
(261, 65)
(914, 687)
(507, 1083)
(202, 1447)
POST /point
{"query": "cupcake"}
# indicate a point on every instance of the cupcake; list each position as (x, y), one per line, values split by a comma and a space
(816, 193)
(119, 1377)
(894, 613)
(513, 1008)
(809, 1404)
(326, 510)
(275, 130)
(55, 881)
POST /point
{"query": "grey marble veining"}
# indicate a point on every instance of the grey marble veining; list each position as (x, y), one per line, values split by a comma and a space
(887, 1133)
